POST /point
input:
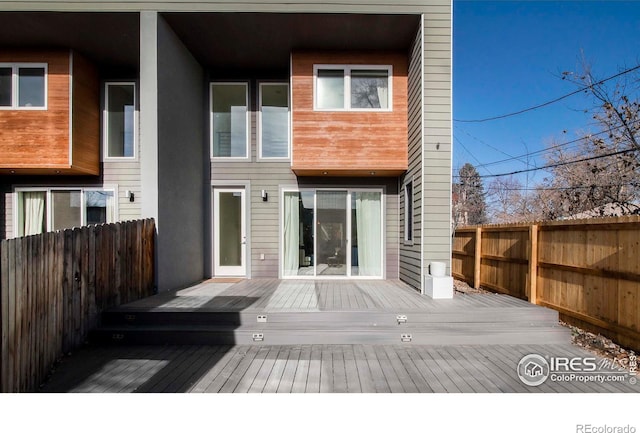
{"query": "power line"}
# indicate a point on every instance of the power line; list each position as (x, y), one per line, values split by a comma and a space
(556, 146)
(568, 188)
(535, 107)
(559, 164)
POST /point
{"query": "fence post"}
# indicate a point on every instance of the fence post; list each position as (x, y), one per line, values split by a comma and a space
(533, 264)
(477, 258)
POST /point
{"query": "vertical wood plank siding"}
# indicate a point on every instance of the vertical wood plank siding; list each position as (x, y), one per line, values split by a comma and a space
(437, 149)
(53, 286)
(85, 112)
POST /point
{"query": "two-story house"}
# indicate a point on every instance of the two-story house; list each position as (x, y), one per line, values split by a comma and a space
(268, 139)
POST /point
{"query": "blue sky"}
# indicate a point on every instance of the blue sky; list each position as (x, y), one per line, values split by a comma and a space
(508, 56)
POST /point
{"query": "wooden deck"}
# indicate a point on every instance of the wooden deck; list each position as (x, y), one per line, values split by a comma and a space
(311, 369)
(292, 312)
(272, 295)
(334, 336)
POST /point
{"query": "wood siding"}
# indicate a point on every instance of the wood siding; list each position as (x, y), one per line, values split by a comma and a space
(411, 252)
(348, 143)
(85, 112)
(38, 141)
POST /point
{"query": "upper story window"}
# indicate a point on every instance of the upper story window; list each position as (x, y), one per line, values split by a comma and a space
(352, 88)
(230, 120)
(120, 120)
(23, 86)
(273, 121)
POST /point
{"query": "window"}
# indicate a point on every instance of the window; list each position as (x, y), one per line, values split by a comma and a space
(120, 120)
(274, 121)
(229, 120)
(23, 86)
(340, 88)
(408, 212)
(49, 209)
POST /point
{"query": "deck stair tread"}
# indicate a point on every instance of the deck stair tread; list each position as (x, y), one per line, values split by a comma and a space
(302, 312)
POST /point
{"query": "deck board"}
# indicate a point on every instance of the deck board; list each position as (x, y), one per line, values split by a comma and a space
(351, 370)
(379, 379)
(286, 381)
(244, 385)
(265, 370)
(312, 368)
(300, 379)
(233, 372)
(315, 370)
(365, 376)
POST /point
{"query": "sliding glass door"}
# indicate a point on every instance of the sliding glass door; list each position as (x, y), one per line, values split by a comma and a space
(332, 233)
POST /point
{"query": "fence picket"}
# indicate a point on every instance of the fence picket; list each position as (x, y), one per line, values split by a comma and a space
(53, 287)
(587, 270)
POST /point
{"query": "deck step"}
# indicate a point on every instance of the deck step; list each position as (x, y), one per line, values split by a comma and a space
(532, 316)
(436, 335)
(517, 323)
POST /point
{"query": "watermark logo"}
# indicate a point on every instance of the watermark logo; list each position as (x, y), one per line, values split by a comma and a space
(533, 370)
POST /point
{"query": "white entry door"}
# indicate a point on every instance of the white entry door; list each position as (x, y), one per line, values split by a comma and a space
(229, 232)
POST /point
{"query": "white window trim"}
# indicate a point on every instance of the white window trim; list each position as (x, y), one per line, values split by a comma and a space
(259, 128)
(408, 230)
(347, 87)
(105, 120)
(14, 85)
(48, 189)
(248, 122)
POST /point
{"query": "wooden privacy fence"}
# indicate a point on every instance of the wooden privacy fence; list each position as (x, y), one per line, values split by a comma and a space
(588, 270)
(53, 287)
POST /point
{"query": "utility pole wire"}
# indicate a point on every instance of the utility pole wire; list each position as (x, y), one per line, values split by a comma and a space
(535, 107)
(560, 164)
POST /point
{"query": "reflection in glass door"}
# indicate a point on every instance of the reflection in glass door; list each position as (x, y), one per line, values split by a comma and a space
(331, 233)
(230, 237)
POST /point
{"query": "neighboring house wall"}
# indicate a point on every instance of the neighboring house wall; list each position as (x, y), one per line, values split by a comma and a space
(437, 153)
(181, 136)
(411, 251)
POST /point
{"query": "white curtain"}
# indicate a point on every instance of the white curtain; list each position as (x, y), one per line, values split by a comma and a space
(291, 234)
(383, 93)
(369, 232)
(34, 204)
(111, 207)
